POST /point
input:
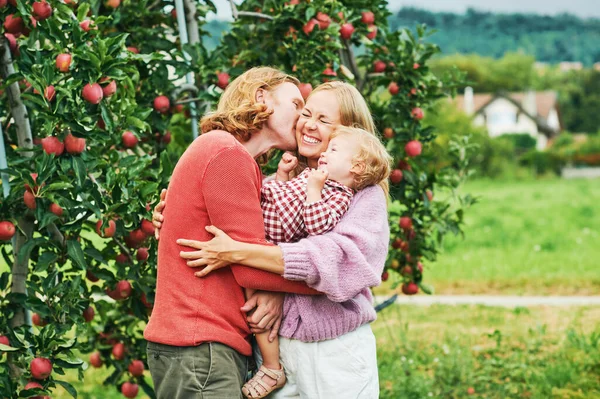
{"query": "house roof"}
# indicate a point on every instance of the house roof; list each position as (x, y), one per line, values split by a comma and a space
(545, 100)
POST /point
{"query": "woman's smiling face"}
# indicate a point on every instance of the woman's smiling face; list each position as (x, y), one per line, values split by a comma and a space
(318, 120)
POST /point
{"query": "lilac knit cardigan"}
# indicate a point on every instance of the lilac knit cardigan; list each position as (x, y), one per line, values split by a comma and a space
(342, 264)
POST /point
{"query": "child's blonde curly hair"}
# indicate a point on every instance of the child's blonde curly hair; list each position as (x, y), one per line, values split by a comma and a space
(375, 164)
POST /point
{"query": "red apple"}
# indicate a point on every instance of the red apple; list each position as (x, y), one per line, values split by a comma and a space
(405, 223)
(396, 176)
(329, 72)
(413, 148)
(109, 89)
(417, 113)
(122, 259)
(74, 145)
(92, 93)
(85, 25)
(145, 301)
(147, 227)
(34, 385)
(109, 230)
(49, 93)
(12, 43)
(379, 66)
(41, 10)
(40, 368)
(52, 145)
(112, 3)
(142, 254)
(7, 230)
(346, 31)
(118, 351)
(393, 88)
(410, 288)
(310, 26)
(368, 18)
(305, 89)
(91, 276)
(56, 209)
(388, 133)
(470, 391)
(88, 314)
(96, 360)
(429, 195)
(372, 32)
(384, 276)
(136, 237)
(222, 80)
(413, 91)
(136, 368)
(4, 340)
(3, 3)
(397, 243)
(123, 289)
(403, 165)
(134, 50)
(63, 62)
(37, 320)
(29, 200)
(166, 137)
(324, 20)
(129, 389)
(129, 140)
(162, 104)
(14, 24)
(416, 65)
(420, 267)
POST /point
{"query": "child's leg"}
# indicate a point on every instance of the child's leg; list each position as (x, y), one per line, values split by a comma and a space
(268, 350)
(270, 355)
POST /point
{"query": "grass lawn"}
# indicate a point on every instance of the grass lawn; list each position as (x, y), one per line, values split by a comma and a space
(442, 352)
(535, 237)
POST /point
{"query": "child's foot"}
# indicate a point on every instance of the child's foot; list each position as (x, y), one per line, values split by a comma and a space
(264, 382)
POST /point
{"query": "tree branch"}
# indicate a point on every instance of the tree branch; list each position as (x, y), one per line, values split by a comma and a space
(353, 65)
(236, 14)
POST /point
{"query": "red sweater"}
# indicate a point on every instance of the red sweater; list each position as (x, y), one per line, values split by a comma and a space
(216, 182)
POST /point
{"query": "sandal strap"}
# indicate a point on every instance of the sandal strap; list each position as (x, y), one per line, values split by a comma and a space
(274, 374)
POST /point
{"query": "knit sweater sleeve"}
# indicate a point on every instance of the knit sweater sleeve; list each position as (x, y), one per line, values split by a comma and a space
(231, 190)
(349, 258)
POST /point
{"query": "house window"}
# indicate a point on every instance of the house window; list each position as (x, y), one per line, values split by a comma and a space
(501, 118)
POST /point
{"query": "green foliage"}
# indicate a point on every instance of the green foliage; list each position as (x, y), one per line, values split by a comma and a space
(550, 39)
(73, 264)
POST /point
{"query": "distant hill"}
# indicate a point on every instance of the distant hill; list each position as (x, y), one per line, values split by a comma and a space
(549, 39)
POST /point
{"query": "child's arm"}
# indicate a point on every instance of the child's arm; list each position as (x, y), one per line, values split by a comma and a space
(314, 185)
(321, 216)
(287, 163)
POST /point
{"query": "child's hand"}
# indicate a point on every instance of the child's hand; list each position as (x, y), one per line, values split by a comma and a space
(288, 163)
(317, 177)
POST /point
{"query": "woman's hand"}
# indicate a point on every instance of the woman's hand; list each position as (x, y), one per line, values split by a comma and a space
(157, 217)
(211, 254)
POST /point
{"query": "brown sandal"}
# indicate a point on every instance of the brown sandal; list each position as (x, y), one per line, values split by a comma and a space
(250, 388)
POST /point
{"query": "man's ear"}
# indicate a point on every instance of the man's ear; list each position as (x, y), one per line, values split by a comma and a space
(260, 95)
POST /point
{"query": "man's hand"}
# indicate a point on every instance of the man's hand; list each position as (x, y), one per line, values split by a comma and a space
(267, 314)
(157, 217)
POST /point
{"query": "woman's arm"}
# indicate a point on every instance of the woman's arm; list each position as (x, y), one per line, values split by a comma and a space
(349, 258)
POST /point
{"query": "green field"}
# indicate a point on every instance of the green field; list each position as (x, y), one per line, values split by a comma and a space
(524, 237)
(442, 351)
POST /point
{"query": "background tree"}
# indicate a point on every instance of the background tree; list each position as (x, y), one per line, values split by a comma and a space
(91, 101)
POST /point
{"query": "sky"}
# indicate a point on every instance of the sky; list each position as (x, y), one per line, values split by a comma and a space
(582, 8)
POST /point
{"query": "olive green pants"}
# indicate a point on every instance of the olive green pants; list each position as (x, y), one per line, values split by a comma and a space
(208, 371)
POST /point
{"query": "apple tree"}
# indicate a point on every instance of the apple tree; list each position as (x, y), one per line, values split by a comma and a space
(95, 110)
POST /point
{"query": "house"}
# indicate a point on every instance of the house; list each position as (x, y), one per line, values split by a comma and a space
(534, 113)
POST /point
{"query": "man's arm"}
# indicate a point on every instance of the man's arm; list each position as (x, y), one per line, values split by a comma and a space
(231, 189)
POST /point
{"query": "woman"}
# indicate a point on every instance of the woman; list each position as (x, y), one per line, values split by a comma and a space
(326, 342)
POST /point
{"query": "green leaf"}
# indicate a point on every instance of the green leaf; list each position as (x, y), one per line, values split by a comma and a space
(80, 170)
(76, 253)
(59, 186)
(68, 363)
(26, 249)
(426, 288)
(82, 10)
(68, 387)
(6, 348)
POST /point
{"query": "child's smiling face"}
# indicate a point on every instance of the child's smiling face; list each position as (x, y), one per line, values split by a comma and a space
(338, 159)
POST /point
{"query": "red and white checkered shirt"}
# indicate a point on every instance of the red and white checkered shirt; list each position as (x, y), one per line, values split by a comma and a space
(289, 218)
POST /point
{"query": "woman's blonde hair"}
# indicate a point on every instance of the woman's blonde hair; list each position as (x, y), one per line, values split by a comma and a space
(373, 159)
(238, 112)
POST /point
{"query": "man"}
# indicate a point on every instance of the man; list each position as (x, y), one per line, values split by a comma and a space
(198, 336)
